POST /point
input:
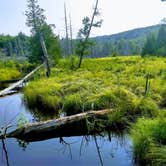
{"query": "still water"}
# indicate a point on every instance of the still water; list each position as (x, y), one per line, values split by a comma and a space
(75, 151)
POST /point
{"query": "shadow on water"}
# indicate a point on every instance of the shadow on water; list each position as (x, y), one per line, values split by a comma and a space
(42, 115)
(39, 113)
(104, 148)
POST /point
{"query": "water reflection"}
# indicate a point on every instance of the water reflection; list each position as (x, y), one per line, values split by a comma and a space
(22, 144)
(43, 115)
(104, 149)
(4, 149)
(84, 150)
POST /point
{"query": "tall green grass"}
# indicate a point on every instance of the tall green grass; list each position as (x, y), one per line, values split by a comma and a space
(149, 138)
(100, 84)
(13, 69)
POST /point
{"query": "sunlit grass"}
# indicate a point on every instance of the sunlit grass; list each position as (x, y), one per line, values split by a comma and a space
(149, 137)
(96, 79)
(8, 74)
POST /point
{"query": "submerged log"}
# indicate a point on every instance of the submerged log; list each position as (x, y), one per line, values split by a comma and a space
(14, 86)
(75, 125)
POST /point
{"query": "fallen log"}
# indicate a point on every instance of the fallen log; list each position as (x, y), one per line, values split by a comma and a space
(76, 125)
(8, 90)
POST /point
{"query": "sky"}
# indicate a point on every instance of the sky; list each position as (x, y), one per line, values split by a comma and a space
(117, 15)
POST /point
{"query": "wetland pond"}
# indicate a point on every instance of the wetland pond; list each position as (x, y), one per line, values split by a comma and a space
(75, 151)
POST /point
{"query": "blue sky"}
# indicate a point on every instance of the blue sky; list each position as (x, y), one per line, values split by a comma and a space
(118, 15)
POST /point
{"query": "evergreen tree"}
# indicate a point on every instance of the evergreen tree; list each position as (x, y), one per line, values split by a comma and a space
(161, 38)
(150, 46)
(36, 20)
(52, 44)
(35, 16)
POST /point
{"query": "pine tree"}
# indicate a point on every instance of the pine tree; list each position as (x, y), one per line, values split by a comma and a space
(150, 46)
(36, 20)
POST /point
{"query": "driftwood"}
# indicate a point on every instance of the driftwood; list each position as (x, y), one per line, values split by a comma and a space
(12, 89)
(76, 125)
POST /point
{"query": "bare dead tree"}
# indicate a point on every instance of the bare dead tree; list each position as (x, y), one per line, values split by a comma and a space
(66, 28)
(71, 37)
(84, 33)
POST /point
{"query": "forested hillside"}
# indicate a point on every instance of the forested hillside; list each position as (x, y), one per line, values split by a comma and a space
(125, 43)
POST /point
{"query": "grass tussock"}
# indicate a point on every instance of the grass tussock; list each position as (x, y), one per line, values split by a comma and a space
(9, 74)
(101, 83)
(13, 69)
(149, 137)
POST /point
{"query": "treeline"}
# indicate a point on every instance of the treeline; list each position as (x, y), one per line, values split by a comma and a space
(120, 47)
(156, 44)
(25, 47)
(14, 46)
(147, 41)
(126, 43)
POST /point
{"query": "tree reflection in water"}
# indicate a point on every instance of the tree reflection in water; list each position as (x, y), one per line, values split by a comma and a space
(98, 142)
(22, 144)
(122, 140)
(5, 152)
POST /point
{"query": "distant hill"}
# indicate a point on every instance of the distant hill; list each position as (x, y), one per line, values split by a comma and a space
(124, 43)
(129, 35)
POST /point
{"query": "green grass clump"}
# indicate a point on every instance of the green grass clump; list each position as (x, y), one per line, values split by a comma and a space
(116, 83)
(149, 137)
(9, 74)
(44, 94)
(14, 69)
(73, 104)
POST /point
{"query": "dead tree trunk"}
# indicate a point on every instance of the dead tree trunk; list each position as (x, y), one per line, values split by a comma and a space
(76, 125)
(45, 55)
(71, 37)
(67, 35)
(88, 34)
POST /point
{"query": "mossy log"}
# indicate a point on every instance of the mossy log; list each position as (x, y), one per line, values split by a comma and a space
(12, 89)
(75, 125)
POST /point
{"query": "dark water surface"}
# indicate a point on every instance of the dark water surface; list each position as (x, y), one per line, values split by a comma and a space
(74, 151)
